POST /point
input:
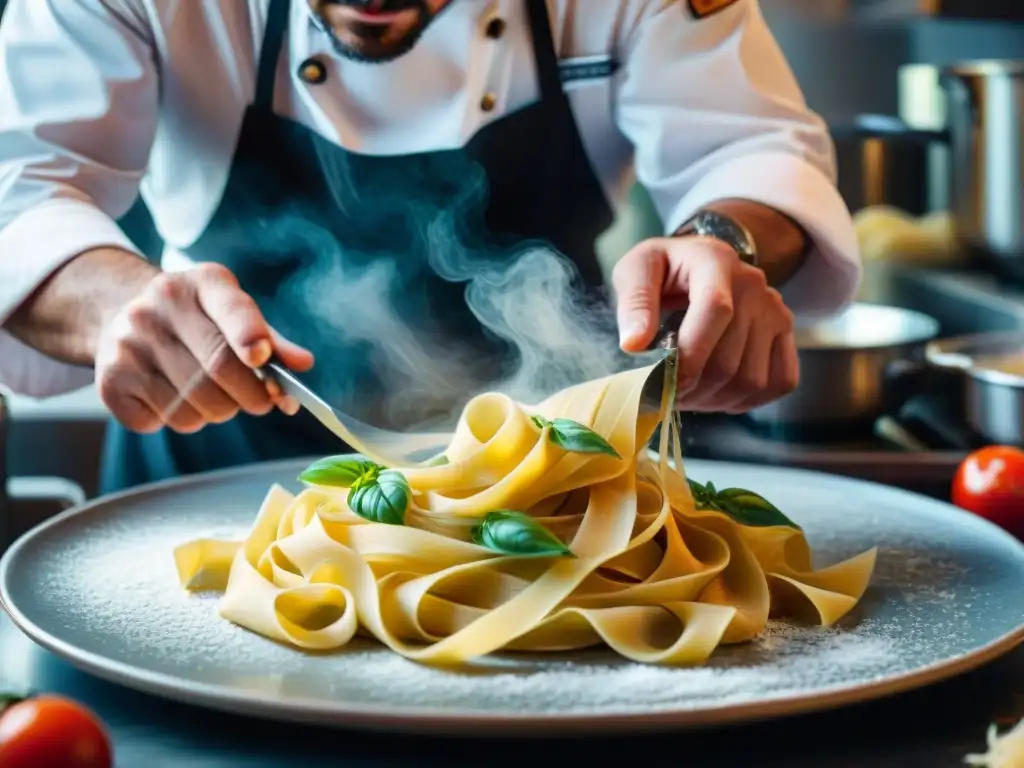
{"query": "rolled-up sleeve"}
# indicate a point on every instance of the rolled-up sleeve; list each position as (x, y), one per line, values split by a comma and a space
(78, 109)
(714, 112)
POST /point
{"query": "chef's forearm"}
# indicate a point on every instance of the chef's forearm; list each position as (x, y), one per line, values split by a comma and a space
(64, 316)
(781, 243)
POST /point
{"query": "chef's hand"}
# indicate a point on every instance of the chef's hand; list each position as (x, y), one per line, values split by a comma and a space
(736, 345)
(181, 353)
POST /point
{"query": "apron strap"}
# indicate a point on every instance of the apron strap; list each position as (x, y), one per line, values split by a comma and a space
(270, 53)
(548, 74)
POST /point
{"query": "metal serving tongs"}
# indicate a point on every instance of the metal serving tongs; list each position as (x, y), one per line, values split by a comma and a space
(380, 445)
(403, 449)
(661, 384)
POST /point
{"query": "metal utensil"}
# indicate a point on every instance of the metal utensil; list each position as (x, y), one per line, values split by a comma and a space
(991, 369)
(395, 447)
(982, 132)
(400, 448)
(847, 364)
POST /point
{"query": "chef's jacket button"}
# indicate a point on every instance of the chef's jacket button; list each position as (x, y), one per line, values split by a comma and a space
(495, 28)
(312, 71)
(488, 102)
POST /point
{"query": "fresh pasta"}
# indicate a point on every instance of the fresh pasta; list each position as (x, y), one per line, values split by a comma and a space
(539, 528)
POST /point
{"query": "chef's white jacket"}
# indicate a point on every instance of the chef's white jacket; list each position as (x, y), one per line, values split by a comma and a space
(102, 99)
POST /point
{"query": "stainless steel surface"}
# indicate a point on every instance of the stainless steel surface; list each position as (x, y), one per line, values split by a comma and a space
(963, 301)
(399, 448)
(844, 363)
(992, 366)
(981, 110)
(57, 436)
(883, 161)
(25, 502)
(929, 472)
(98, 587)
(985, 113)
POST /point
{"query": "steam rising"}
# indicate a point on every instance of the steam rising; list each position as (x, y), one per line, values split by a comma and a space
(358, 299)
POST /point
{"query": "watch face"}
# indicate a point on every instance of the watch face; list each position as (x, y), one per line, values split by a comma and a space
(711, 224)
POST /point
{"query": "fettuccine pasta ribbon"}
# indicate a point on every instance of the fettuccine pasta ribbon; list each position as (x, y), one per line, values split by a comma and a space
(631, 562)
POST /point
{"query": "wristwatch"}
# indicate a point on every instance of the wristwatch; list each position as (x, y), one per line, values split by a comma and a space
(724, 228)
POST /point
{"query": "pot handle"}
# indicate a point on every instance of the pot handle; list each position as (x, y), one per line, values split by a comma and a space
(888, 127)
(903, 380)
(31, 500)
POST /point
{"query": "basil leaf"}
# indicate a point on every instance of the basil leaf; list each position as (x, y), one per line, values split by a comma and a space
(382, 496)
(438, 461)
(336, 471)
(701, 494)
(572, 436)
(515, 533)
(752, 509)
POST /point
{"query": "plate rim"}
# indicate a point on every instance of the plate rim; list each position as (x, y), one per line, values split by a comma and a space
(467, 721)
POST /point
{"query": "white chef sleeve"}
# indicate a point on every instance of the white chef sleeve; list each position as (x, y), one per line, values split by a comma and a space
(714, 112)
(78, 108)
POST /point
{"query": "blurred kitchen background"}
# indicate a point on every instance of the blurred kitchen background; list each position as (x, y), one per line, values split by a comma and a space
(852, 58)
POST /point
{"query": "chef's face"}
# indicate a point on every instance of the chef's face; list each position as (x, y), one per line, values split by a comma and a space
(376, 30)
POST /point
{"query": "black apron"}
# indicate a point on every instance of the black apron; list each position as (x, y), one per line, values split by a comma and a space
(299, 211)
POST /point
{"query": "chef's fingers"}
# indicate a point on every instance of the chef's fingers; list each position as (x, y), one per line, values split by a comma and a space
(198, 387)
(719, 376)
(784, 375)
(133, 414)
(187, 347)
(638, 279)
(245, 329)
(143, 401)
(163, 397)
(121, 385)
(291, 354)
(234, 313)
(709, 315)
(750, 384)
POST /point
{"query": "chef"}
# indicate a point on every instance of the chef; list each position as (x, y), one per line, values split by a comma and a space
(348, 123)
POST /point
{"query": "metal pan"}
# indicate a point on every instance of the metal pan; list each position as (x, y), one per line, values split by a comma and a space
(849, 367)
(991, 368)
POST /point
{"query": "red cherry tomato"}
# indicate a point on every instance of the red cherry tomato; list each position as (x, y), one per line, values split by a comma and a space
(990, 483)
(52, 732)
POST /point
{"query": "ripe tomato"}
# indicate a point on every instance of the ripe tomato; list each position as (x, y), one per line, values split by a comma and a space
(990, 483)
(52, 732)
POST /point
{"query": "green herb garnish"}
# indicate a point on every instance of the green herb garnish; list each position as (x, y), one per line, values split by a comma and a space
(572, 436)
(376, 493)
(336, 471)
(516, 533)
(743, 506)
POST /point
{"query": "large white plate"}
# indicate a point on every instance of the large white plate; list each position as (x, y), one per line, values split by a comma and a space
(97, 586)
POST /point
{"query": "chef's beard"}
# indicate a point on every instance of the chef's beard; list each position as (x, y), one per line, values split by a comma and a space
(377, 43)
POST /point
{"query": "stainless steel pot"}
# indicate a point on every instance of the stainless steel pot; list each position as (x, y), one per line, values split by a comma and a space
(984, 131)
(985, 113)
(884, 161)
(847, 364)
(992, 372)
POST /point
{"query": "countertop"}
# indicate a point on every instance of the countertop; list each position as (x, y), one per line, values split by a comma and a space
(931, 728)
(82, 402)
